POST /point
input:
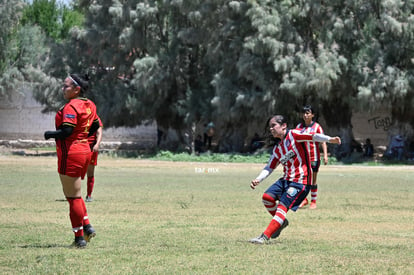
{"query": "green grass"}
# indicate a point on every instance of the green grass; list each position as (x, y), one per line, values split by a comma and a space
(260, 157)
(163, 217)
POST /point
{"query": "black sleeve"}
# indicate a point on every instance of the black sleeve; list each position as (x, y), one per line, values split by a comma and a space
(61, 133)
(94, 127)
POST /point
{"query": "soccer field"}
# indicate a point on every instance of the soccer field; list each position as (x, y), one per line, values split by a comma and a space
(155, 217)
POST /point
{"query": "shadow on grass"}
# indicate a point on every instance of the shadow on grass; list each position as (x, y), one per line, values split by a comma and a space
(37, 245)
(61, 200)
(27, 153)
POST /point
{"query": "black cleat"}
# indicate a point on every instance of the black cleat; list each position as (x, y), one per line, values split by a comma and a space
(79, 242)
(89, 232)
(277, 233)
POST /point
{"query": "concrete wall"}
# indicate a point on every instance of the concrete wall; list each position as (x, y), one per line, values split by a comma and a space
(21, 118)
(379, 127)
(375, 126)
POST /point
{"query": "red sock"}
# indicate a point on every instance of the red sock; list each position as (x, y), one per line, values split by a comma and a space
(314, 193)
(270, 203)
(277, 221)
(85, 214)
(76, 213)
(89, 186)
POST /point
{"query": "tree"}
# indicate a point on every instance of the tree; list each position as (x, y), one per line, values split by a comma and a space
(10, 13)
(54, 19)
(25, 47)
(238, 62)
(243, 77)
(52, 22)
(323, 69)
(386, 64)
(21, 48)
(150, 63)
(281, 64)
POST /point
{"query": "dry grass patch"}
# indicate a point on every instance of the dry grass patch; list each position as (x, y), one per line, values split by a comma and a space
(157, 217)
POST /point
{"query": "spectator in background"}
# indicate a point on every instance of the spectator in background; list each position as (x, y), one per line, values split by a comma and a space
(256, 143)
(208, 134)
(368, 148)
(198, 145)
(411, 150)
(160, 134)
(356, 146)
(396, 150)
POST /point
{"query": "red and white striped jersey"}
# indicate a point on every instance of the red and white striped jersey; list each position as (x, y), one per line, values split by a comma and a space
(313, 146)
(293, 154)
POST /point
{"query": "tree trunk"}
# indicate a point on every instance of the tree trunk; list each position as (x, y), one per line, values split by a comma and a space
(233, 139)
(344, 151)
(175, 140)
(338, 123)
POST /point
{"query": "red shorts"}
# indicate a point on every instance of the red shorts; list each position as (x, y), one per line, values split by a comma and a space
(94, 159)
(75, 162)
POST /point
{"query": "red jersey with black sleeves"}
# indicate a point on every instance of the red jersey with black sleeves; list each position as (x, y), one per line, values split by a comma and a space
(292, 153)
(313, 146)
(78, 113)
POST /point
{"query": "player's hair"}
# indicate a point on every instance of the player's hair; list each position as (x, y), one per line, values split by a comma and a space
(270, 140)
(308, 108)
(82, 81)
(279, 119)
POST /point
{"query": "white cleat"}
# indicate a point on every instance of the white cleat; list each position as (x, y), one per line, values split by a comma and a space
(262, 239)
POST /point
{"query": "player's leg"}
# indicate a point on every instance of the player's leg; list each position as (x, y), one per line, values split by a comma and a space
(271, 196)
(314, 187)
(72, 191)
(88, 230)
(71, 179)
(289, 199)
(314, 192)
(304, 203)
(91, 176)
(270, 203)
(270, 200)
(279, 214)
(90, 182)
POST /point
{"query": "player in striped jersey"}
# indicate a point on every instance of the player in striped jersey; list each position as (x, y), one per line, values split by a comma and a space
(310, 126)
(289, 191)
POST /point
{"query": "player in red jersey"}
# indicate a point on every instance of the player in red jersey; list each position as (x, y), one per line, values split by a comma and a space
(310, 126)
(74, 122)
(289, 191)
(94, 143)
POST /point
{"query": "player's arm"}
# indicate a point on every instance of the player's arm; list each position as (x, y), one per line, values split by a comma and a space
(263, 175)
(319, 130)
(271, 165)
(94, 127)
(98, 139)
(63, 132)
(325, 138)
(301, 137)
(318, 137)
(325, 152)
